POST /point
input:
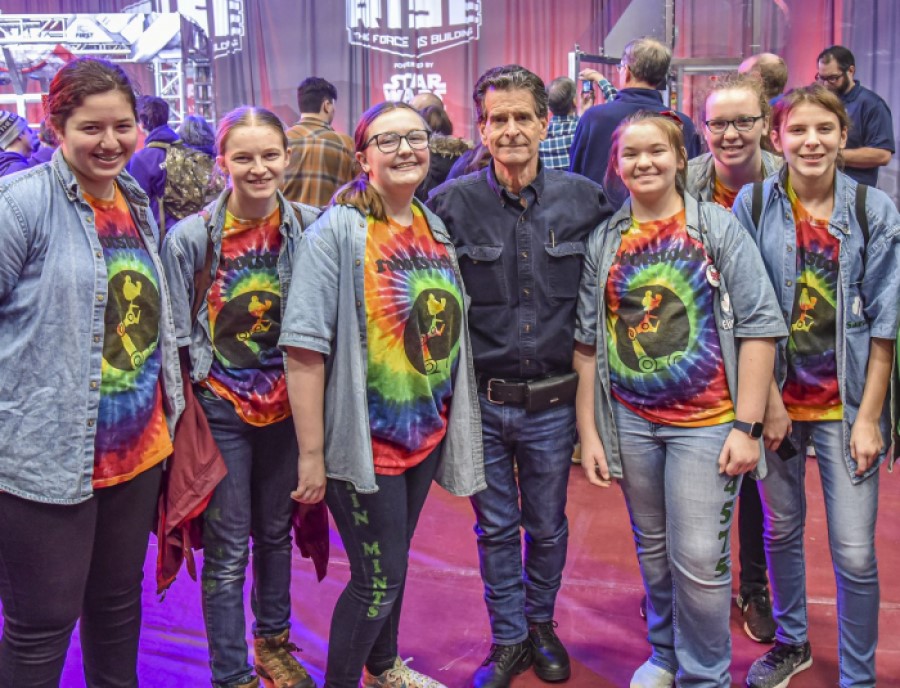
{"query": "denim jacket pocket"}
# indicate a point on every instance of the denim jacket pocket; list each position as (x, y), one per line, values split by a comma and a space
(482, 273)
(564, 268)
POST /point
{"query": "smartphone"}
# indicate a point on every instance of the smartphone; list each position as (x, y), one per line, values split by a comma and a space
(787, 450)
(587, 86)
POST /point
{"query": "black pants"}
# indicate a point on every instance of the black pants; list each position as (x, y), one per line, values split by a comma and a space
(62, 563)
(750, 531)
(376, 530)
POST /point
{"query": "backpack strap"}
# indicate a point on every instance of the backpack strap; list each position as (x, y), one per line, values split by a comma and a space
(202, 277)
(861, 217)
(756, 203)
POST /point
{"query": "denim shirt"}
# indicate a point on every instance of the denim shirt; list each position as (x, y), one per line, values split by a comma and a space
(53, 292)
(748, 309)
(868, 285)
(326, 312)
(184, 252)
(701, 173)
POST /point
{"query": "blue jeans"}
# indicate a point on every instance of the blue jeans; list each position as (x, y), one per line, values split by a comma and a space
(253, 499)
(540, 444)
(851, 511)
(681, 511)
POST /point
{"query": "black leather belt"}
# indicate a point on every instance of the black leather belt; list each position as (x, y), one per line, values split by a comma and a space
(502, 391)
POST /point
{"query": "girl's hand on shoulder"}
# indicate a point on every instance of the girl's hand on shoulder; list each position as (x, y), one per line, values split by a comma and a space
(311, 480)
(593, 461)
(866, 443)
(739, 454)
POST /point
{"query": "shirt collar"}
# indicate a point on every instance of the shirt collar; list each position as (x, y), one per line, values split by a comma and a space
(854, 92)
(535, 188)
(313, 119)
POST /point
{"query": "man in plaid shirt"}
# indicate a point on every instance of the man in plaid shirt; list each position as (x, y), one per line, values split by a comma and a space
(322, 159)
(554, 150)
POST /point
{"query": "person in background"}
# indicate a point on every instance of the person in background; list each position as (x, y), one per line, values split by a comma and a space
(771, 70)
(562, 101)
(838, 284)
(519, 228)
(870, 138)
(147, 165)
(16, 143)
(445, 149)
(321, 158)
(737, 119)
(197, 133)
(643, 70)
(49, 144)
(607, 91)
(381, 383)
(91, 389)
(239, 374)
(675, 330)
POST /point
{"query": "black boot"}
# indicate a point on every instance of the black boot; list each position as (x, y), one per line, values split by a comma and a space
(551, 661)
(503, 662)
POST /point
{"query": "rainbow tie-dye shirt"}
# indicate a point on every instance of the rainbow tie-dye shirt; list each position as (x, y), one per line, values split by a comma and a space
(414, 318)
(132, 435)
(665, 361)
(244, 305)
(723, 195)
(811, 388)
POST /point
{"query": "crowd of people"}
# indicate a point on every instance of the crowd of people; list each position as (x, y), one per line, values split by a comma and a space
(352, 319)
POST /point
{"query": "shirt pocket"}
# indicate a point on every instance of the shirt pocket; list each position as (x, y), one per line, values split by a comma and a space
(564, 268)
(481, 268)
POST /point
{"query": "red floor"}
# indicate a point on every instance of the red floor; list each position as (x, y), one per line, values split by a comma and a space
(445, 625)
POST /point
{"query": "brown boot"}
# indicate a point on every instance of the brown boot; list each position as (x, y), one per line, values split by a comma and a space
(275, 662)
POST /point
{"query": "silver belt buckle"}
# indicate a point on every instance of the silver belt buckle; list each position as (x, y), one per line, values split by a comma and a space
(490, 382)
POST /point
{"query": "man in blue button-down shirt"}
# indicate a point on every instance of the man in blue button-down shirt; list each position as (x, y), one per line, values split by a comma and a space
(519, 229)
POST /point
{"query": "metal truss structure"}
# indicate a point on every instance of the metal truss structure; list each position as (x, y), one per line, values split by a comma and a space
(34, 46)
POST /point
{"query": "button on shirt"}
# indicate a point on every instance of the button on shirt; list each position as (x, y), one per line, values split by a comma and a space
(520, 259)
(871, 127)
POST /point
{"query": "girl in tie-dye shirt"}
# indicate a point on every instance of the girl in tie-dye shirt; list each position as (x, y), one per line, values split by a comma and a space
(405, 317)
(833, 256)
(676, 328)
(252, 232)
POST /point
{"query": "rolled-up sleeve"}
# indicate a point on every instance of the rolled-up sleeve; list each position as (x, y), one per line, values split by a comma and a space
(310, 316)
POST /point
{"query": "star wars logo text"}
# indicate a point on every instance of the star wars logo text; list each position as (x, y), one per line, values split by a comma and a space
(412, 27)
(405, 86)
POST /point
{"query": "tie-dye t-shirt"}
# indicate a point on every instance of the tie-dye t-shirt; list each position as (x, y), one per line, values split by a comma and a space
(723, 195)
(665, 361)
(414, 317)
(132, 435)
(811, 387)
(244, 305)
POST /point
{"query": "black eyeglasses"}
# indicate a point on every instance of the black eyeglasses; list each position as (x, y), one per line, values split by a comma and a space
(720, 126)
(389, 141)
(831, 78)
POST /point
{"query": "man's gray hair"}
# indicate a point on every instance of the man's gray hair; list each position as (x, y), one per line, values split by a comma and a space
(561, 96)
(648, 60)
(508, 78)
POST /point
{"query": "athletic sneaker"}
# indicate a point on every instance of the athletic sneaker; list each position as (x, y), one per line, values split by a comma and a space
(757, 612)
(399, 676)
(775, 668)
(649, 675)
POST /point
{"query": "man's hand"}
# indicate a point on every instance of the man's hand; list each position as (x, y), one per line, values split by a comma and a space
(739, 454)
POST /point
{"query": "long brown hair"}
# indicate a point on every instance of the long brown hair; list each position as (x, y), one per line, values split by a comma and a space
(359, 191)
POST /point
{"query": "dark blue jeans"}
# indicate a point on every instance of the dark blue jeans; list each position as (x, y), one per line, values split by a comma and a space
(62, 562)
(254, 499)
(376, 530)
(540, 445)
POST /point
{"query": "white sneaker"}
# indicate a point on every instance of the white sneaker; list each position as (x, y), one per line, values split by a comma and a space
(649, 675)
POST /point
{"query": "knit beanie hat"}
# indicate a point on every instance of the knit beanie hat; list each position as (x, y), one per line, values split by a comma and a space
(11, 127)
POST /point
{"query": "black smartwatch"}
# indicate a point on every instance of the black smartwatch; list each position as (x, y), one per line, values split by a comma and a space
(755, 430)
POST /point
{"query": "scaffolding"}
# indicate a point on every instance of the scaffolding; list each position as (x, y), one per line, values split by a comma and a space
(178, 51)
